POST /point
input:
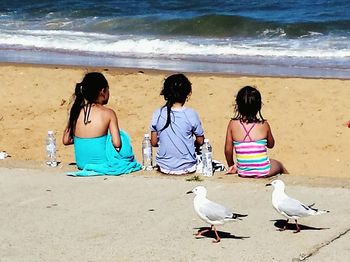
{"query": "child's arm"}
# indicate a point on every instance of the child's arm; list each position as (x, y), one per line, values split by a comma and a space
(229, 146)
(269, 138)
(154, 139)
(197, 130)
(66, 139)
(199, 141)
(114, 129)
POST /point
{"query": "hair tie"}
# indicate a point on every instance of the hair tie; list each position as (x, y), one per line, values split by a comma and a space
(79, 89)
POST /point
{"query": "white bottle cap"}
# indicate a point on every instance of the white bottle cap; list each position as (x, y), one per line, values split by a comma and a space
(147, 135)
(50, 132)
(206, 140)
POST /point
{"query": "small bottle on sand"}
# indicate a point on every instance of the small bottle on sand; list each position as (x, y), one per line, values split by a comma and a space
(146, 153)
(207, 158)
(51, 149)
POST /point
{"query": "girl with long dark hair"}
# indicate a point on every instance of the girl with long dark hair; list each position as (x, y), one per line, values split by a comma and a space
(100, 147)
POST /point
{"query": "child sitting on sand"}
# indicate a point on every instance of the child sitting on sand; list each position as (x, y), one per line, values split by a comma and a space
(173, 127)
(249, 134)
(100, 147)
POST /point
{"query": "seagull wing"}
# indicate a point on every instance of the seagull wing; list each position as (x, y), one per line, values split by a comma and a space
(214, 211)
(293, 208)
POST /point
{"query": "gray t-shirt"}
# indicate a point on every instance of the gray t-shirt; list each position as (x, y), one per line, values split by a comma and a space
(176, 151)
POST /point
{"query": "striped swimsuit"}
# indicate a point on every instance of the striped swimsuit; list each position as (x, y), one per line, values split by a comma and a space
(251, 156)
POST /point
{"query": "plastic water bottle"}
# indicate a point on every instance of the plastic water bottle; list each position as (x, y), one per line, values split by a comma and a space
(51, 149)
(146, 153)
(207, 158)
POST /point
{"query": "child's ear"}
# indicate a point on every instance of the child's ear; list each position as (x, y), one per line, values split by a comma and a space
(104, 91)
(189, 95)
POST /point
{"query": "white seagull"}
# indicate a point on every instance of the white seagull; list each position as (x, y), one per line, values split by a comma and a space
(210, 212)
(289, 207)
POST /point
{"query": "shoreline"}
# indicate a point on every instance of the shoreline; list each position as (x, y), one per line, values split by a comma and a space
(248, 65)
(307, 115)
(131, 70)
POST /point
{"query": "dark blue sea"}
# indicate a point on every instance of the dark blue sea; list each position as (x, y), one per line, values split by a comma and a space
(282, 38)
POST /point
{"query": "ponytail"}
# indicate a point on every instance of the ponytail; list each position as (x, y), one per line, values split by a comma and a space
(75, 109)
(168, 106)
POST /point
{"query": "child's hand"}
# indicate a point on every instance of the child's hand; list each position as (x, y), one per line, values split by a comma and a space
(232, 169)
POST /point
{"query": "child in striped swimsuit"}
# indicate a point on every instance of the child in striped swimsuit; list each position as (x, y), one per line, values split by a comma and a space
(249, 134)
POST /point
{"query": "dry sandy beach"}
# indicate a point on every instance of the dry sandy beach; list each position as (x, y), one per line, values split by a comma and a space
(307, 116)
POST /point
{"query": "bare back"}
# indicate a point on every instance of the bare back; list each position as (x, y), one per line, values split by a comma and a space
(251, 132)
(98, 122)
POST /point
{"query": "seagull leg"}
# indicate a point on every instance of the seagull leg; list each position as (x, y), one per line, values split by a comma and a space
(285, 226)
(217, 240)
(297, 226)
(199, 234)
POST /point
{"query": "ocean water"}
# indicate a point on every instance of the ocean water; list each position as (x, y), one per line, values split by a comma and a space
(270, 37)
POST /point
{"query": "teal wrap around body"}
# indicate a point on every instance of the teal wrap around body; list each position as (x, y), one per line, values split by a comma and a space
(97, 156)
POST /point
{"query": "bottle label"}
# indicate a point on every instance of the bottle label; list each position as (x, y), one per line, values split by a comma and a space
(147, 151)
(207, 164)
(147, 158)
(50, 148)
(208, 157)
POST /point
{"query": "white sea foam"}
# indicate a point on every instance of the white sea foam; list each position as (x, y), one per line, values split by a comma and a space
(70, 41)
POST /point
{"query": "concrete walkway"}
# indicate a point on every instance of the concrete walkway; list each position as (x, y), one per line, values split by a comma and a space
(47, 216)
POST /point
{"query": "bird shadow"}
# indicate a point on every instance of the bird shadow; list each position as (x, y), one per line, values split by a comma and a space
(211, 234)
(280, 223)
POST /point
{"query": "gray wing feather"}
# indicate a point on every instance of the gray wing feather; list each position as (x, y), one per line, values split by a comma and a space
(293, 207)
(215, 212)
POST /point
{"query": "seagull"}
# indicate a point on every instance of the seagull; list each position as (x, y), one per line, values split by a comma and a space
(289, 207)
(210, 212)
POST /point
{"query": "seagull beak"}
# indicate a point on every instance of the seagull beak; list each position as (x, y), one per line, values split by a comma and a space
(189, 192)
(268, 184)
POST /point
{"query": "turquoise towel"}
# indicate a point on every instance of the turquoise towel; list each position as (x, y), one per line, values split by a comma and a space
(97, 156)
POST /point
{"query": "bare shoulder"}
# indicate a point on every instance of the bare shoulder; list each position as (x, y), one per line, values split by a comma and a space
(233, 123)
(108, 111)
(266, 125)
(230, 125)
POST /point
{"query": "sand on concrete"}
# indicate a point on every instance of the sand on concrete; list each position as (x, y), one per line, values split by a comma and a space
(48, 216)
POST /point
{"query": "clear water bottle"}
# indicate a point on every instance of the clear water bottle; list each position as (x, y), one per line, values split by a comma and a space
(51, 149)
(207, 158)
(146, 153)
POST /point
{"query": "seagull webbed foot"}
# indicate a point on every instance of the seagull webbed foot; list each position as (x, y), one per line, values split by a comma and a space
(199, 233)
(216, 240)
